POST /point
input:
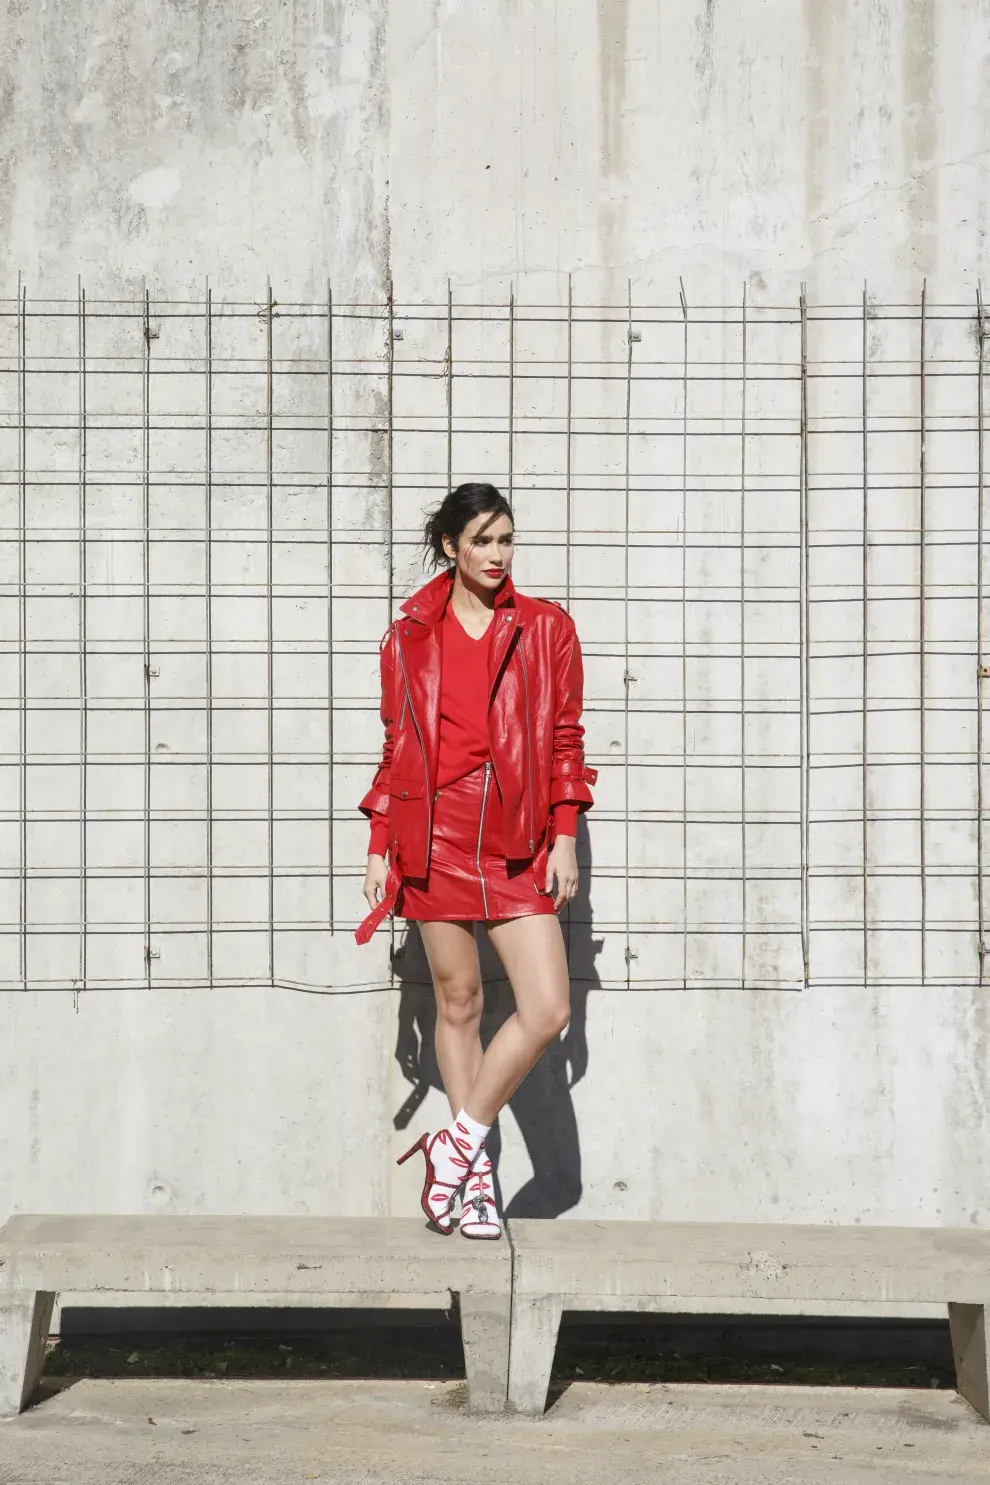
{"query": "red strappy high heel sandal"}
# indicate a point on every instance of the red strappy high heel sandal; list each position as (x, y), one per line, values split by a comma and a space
(439, 1195)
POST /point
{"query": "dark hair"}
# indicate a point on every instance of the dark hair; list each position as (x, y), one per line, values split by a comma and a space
(458, 510)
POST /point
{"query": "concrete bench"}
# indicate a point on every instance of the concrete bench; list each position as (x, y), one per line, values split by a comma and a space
(687, 1266)
(345, 1261)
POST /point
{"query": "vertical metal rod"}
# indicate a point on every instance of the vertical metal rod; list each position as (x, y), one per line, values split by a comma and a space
(449, 370)
(208, 617)
(81, 539)
(684, 708)
(389, 454)
(864, 736)
(269, 611)
(626, 674)
(22, 618)
(512, 387)
(922, 636)
(742, 630)
(390, 529)
(805, 649)
(146, 614)
(981, 946)
(568, 511)
(329, 518)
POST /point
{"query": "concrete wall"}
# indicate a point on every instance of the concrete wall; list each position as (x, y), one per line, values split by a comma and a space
(829, 141)
(491, 144)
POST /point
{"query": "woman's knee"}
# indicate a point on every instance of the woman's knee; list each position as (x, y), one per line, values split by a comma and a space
(545, 1022)
(459, 1000)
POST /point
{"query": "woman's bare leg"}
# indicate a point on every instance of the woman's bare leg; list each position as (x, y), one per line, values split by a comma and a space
(532, 952)
(452, 954)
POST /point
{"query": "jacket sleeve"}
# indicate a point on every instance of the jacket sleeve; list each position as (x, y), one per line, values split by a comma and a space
(569, 777)
(375, 802)
(378, 840)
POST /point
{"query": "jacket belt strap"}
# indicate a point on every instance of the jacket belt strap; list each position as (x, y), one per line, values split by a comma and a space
(378, 914)
(568, 768)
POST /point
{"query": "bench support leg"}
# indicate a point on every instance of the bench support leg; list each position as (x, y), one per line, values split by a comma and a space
(485, 1338)
(535, 1323)
(24, 1322)
(970, 1331)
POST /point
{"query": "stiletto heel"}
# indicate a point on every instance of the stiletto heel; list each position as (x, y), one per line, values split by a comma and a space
(438, 1196)
(419, 1145)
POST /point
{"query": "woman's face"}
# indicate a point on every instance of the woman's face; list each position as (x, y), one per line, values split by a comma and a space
(483, 554)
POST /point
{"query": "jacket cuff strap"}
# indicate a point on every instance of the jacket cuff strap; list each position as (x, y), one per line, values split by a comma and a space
(378, 914)
(568, 768)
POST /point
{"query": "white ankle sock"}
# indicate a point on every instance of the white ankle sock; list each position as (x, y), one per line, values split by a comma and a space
(469, 1135)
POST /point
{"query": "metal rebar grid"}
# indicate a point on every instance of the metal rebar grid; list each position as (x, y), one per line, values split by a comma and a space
(865, 627)
(981, 336)
(767, 522)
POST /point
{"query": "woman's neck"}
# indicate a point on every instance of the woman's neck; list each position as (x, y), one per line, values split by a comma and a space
(468, 601)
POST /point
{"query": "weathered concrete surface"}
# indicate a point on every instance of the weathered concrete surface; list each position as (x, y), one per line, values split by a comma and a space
(416, 1433)
(632, 1265)
(171, 143)
(609, 1262)
(830, 141)
(336, 1258)
(200, 1255)
(842, 1105)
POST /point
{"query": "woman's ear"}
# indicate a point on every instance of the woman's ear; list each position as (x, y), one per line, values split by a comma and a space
(450, 548)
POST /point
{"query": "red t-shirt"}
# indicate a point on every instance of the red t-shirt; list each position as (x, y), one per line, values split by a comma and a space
(464, 743)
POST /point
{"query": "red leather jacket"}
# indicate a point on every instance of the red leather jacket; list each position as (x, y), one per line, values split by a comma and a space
(537, 740)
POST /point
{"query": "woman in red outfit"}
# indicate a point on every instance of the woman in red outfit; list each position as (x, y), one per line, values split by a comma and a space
(475, 801)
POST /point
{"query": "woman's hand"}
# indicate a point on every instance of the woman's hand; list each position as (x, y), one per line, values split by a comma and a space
(562, 864)
(374, 880)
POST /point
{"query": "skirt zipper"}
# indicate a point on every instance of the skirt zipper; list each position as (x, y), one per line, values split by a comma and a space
(481, 831)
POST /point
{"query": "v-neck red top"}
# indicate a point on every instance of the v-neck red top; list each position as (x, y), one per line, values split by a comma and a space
(464, 700)
(464, 744)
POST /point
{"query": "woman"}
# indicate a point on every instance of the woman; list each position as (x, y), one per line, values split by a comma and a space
(476, 801)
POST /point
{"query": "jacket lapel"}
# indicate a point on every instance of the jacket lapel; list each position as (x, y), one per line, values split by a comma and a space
(420, 642)
(506, 622)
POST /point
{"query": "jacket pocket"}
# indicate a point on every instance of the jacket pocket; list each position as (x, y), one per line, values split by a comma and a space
(400, 789)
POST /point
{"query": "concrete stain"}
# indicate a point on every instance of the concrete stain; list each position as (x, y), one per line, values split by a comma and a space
(704, 64)
(920, 130)
(825, 26)
(613, 32)
(34, 1120)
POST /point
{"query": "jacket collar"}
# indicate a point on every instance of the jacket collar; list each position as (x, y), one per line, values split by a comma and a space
(428, 604)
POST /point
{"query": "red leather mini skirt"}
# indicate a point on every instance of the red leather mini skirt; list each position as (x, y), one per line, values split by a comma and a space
(469, 878)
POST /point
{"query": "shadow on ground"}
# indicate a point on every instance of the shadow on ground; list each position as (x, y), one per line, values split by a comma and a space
(426, 1346)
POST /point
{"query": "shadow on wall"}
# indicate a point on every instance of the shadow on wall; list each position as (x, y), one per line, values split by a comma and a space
(542, 1107)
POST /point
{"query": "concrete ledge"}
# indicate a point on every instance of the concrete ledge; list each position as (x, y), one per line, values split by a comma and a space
(343, 1260)
(615, 1266)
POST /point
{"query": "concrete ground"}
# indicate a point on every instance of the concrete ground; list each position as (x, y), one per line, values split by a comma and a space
(139, 1432)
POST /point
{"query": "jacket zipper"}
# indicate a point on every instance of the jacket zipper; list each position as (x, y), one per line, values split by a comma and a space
(481, 829)
(426, 766)
(529, 740)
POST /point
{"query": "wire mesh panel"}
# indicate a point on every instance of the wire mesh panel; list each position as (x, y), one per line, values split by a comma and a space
(767, 523)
